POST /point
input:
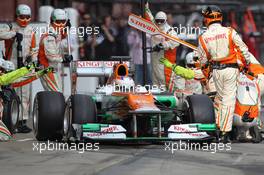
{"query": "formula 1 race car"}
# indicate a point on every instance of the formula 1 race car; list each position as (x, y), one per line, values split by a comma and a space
(120, 110)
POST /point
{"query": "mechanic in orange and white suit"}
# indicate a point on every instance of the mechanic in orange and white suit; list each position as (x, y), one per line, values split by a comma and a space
(220, 46)
(52, 47)
(11, 33)
(163, 48)
(256, 70)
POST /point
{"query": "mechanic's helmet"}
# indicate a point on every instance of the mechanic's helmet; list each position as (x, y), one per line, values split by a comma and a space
(58, 19)
(6, 65)
(191, 60)
(23, 15)
(160, 18)
(212, 14)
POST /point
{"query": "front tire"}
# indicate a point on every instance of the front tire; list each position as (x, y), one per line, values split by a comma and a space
(48, 115)
(200, 109)
(11, 110)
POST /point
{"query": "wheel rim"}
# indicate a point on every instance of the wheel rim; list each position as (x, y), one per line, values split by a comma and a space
(35, 116)
(14, 113)
(66, 120)
(186, 107)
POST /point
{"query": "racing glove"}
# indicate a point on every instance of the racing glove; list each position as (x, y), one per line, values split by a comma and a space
(49, 70)
(178, 70)
(158, 47)
(10, 25)
(31, 66)
(19, 36)
(68, 23)
(166, 62)
(183, 72)
(67, 58)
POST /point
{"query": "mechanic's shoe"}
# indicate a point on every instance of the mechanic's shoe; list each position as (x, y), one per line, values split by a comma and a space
(243, 136)
(256, 134)
(248, 135)
(23, 128)
(224, 138)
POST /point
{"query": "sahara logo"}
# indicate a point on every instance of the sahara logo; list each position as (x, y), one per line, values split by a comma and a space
(143, 25)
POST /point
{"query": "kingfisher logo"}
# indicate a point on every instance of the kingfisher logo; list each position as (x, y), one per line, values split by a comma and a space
(103, 131)
(246, 83)
(142, 24)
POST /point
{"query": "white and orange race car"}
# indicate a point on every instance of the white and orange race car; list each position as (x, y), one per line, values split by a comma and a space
(121, 110)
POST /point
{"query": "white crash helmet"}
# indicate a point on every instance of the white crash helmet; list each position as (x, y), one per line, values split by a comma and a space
(7, 65)
(58, 14)
(23, 9)
(124, 83)
(189, 58)
(23, 15)
(160, 18)
(58, 19)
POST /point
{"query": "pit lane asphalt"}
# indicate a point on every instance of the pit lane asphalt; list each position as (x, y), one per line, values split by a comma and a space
(18, 157)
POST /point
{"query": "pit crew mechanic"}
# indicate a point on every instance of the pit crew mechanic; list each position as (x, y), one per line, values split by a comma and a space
(12, 34)
(52, 47)
(163, 48)
(6, 79)
(220, 46)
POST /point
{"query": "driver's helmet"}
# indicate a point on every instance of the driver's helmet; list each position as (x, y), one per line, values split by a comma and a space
(191, 60)
(124, 84)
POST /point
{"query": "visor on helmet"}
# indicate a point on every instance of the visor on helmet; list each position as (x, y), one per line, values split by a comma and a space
(60, 22)
(160, 21)
(24, 17)
(191, 65)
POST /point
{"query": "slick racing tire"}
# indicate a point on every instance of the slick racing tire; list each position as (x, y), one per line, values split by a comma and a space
(11, 110)
(200, 109)
(83, 109)
(48, 115)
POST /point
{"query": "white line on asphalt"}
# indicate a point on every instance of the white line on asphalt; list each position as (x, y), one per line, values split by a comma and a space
(239, 159)
(24, 140)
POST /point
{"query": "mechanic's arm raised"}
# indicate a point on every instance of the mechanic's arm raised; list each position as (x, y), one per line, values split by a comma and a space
(148, 14)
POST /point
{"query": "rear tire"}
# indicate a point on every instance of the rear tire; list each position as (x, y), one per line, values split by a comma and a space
(48, 115)
(200, 109)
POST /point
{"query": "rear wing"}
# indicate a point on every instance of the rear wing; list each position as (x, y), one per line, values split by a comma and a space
(93, 69)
